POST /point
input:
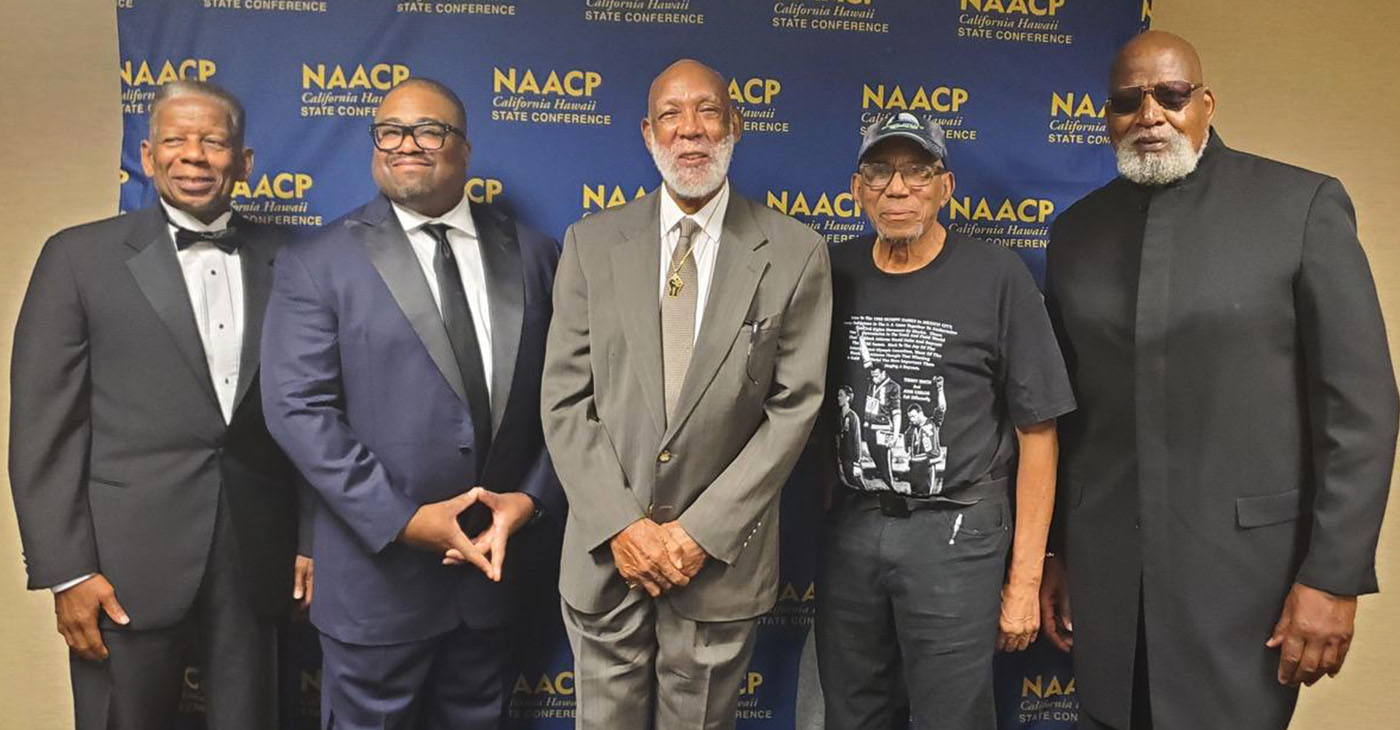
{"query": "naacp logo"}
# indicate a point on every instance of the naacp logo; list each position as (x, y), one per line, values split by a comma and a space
(550, 696)
(835, 215)
(336, 90)
(1046, 699)
(750, 705)
(277, 198)
(850, 16)
(529, 96)
(484, 189)
(1013, 21)
(601, 196)
(1076, 119)
(940, 103)
(140, 79)
(643, 12)
(1011, 222)
(756, 98)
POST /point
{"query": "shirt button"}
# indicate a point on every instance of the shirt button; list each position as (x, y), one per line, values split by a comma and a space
(213, 272)
(664, 457)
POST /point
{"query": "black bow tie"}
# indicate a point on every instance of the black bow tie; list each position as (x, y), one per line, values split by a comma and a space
(226, 240)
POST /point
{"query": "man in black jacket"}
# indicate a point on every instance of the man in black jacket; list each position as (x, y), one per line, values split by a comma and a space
(1226, 473)
(151, 499)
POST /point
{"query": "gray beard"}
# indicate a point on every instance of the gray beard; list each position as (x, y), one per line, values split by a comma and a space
(1158, 168)
(901, 241)
(697, 184)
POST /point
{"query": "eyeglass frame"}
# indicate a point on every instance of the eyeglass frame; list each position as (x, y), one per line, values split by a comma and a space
(939, 170)
(411, 130)
(1144, 91)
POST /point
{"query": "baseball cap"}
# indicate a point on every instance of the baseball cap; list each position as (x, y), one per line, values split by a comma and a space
(903, 124)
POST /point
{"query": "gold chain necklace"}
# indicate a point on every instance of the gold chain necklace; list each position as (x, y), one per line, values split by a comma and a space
(674, 282)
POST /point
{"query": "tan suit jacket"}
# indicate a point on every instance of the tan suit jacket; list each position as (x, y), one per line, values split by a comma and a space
(752, 391)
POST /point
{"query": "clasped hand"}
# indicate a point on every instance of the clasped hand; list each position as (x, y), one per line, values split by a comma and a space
(656, 557)
(434, 527)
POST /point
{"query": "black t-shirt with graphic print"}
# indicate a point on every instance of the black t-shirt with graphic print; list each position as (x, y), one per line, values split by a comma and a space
(931, 371)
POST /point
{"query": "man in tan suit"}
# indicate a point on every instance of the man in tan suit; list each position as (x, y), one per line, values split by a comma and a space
(683, 371)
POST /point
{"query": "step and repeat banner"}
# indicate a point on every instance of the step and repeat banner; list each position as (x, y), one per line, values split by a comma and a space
(555, 91)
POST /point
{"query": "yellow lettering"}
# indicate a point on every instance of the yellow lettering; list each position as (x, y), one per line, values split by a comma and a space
(313, 76)
(484, 190)
(502, 80)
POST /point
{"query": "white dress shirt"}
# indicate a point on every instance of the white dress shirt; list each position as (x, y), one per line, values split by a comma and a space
(705, 243)
(214, 282)
(466, 249)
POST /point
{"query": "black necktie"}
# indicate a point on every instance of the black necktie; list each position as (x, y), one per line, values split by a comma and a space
(226, 239)
(457, 316)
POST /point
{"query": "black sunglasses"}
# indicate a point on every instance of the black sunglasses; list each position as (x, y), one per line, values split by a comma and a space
(1171, 95)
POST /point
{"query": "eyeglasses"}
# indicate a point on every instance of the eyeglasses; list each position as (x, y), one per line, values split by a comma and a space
(429, 136)
(1171, 95)
(877, 175)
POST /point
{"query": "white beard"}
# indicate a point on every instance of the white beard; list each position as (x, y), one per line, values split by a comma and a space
(692, 184)
(1157, 168)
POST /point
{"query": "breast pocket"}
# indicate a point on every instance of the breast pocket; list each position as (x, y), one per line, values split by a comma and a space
(761, 347)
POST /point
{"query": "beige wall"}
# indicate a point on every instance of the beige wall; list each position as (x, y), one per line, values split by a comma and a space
(1308, 82)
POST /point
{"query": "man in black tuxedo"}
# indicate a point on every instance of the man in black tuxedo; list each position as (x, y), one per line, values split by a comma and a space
(151, 499)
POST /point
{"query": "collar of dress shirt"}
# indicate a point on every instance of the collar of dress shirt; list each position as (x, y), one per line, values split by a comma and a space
(460, 218)
(710, 217)
(180, 219)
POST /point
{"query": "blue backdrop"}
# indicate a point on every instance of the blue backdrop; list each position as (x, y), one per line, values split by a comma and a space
(555, 90)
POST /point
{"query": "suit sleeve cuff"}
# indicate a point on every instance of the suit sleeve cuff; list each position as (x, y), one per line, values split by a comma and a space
(65, 585)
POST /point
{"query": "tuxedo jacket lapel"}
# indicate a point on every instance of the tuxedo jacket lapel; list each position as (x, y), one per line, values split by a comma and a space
(256, 256)
(392, 256)
(158, 275)
(505, 290)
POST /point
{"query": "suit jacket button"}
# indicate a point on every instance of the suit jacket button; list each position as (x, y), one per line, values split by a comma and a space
(649, 510)
(664, 457)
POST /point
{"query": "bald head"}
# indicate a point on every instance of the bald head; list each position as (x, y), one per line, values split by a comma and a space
(690, 129)
(1160, 109)
(433, 86)
(1156, 48)
(689, 73)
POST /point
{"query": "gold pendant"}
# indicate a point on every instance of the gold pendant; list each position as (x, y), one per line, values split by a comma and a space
(674, 286)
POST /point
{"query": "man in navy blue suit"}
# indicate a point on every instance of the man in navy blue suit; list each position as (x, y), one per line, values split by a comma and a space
(402, 355)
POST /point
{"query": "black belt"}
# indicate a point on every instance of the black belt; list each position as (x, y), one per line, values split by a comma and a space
(893, 504)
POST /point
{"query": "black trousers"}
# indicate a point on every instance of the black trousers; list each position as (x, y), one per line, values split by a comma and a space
(1142, 700)
(910, 603)
(141, 684)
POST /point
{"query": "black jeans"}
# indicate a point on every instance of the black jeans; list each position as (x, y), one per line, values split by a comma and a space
(910, 603)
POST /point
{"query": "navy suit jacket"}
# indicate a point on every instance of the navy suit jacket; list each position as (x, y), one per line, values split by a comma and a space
(361, 389)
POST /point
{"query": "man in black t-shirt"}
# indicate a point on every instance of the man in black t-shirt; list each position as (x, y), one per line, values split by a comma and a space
(942, 345)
